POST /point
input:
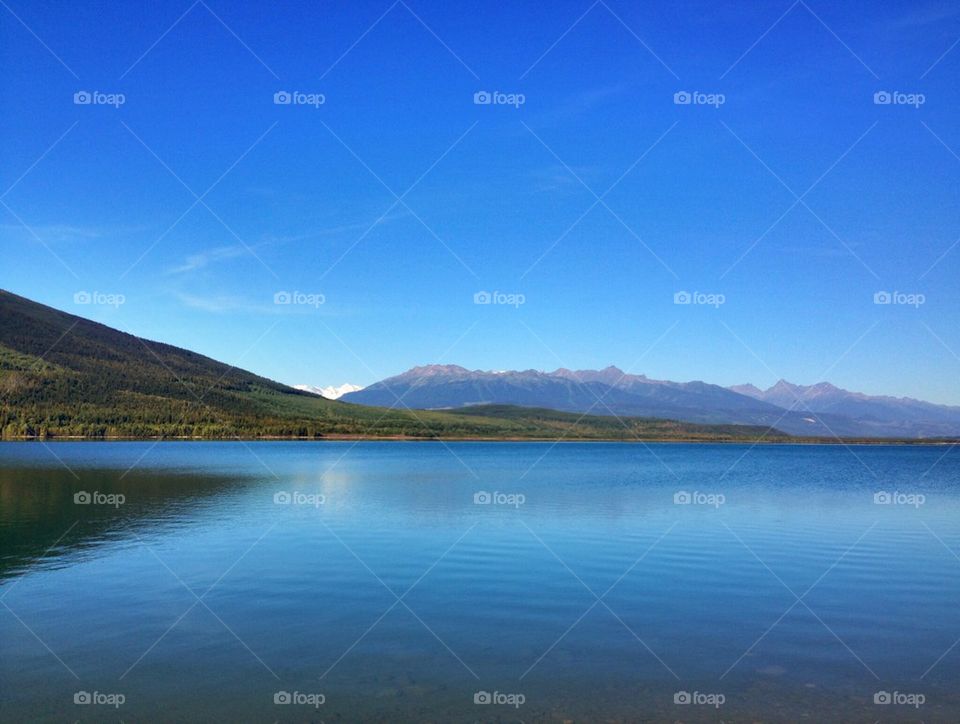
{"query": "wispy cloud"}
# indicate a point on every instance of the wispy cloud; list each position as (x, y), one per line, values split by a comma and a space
(260, 305)
(924, 16)
(354, 227)
(53, 233)
(211, 256)
(813, 250)
(217, 303)
(580, 104)
(558, 178)
(593, 97)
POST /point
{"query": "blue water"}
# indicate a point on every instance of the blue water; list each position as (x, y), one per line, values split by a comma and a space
(384, 592)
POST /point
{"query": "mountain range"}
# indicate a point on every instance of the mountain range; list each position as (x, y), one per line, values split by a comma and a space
(817, 410)
(65, 376)
(897, 415)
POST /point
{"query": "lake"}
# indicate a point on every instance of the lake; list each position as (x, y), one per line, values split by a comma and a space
(448, 582)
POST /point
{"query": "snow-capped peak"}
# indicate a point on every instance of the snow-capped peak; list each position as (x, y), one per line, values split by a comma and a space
(331, 392)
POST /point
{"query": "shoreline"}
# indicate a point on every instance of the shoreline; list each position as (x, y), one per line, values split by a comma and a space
(891, 442)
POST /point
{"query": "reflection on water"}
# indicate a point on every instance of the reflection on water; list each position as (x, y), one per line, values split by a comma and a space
(401, 581)
(50, 512)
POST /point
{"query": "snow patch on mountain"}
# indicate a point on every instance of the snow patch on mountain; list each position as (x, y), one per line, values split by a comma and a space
(331, 392)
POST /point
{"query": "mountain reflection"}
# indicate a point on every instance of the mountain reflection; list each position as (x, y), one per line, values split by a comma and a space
(43, 525)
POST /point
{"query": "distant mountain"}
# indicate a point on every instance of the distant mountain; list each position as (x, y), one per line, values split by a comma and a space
(828, 410)
(608, 391)
(748, 390)
(331, 392)
(878, 415)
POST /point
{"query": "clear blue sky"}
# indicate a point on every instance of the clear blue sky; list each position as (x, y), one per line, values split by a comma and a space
(711, 206)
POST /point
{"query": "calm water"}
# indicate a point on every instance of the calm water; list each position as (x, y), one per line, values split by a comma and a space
(782, 592)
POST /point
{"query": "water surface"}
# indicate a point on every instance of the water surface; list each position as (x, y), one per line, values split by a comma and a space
(391, 590)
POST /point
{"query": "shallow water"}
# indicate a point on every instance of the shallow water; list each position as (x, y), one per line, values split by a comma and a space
(582, 591)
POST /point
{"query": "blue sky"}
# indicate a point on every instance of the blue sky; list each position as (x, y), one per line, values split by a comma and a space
(703, 197)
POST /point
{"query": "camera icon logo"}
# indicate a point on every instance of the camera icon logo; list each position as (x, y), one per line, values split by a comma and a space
(682, 98)
(482, 497)
(282, 98)
(82, 298)
(482, 98)
(882, 298)
(482, 298)
(82, 498)
(681, 497)
(82, 697)
(882, 498)
(882, 98)
(82, 98)
(482, 697)
(282, 498)
(282, 697)
(282, 298)
(882, 697)
(682, 298)
(682, 697)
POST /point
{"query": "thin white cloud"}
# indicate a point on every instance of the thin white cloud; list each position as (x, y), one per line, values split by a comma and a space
(234, 304)
(358, 226)
(200, 260)
(925, 16)
(218, 303)
(53, 233)
(205, 258)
